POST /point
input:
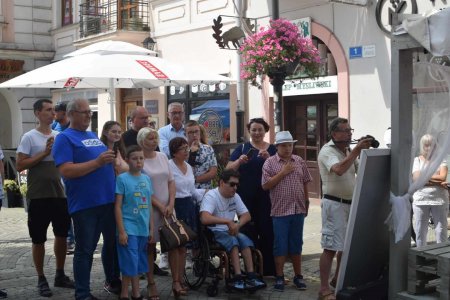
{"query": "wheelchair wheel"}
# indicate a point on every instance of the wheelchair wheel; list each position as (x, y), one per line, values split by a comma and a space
(212, 290)
(195, 276)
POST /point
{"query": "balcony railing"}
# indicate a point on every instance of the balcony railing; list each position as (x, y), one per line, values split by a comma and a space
(113, 15)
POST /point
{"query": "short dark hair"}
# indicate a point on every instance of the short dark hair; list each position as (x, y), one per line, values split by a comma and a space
(132, 149)
(39, 104)
(334, 124)
(175, 144)
(61, 106)
(226, 174)
(259, 121)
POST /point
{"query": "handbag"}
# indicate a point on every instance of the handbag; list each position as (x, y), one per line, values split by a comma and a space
(175, 234)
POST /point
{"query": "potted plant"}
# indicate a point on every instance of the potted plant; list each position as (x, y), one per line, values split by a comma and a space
(12, 193)
(278, 49)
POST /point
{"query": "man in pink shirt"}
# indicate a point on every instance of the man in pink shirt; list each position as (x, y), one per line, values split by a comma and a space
(286, 176)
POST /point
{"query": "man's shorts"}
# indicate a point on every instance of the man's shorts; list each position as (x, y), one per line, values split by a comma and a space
(288, 234)
(43, 211)
(334, 224)
(229, 241)
(133, 257)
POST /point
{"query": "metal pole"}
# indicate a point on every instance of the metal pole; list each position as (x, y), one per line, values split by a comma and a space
(240, 107)
(277, 82)
(402, 49)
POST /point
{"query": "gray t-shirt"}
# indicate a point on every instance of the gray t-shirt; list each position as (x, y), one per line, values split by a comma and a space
(43, 180)
(221, 207)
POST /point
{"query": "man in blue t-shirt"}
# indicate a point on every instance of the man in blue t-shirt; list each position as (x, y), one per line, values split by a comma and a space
(86, 166)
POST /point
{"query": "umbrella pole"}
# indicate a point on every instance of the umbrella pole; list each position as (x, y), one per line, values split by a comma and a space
(112, 99)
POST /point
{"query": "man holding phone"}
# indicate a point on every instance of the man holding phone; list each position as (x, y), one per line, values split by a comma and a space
(46, 193)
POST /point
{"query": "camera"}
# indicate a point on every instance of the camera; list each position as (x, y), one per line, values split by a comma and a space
(374, 143)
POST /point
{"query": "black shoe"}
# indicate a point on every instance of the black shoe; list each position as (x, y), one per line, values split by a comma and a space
(3, 294)
(44, 289)
(64, 282)
(91, 297)
(157, 271)
(113, 287)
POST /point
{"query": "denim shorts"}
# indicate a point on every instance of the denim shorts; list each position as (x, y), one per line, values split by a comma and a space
(288, 234)
(229, 241)
(133, 257)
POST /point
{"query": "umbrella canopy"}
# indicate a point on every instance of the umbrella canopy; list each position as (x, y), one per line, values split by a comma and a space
(112, 65)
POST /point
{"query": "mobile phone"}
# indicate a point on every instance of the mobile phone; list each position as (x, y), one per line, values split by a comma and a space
(250, 153)
(116, 148)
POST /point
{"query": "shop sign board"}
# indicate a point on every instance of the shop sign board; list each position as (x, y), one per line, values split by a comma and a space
(322, 85)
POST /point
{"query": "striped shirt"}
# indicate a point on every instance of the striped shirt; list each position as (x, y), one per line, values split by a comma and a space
(288, 196)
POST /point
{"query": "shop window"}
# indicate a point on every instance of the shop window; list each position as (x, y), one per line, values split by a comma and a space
(211, 107)
(66, 12)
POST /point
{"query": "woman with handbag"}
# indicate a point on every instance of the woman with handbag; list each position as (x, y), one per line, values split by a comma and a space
(186, 194)
(248, 159)
(156, 166)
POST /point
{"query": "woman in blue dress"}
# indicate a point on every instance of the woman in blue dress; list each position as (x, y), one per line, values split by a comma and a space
(248, 159)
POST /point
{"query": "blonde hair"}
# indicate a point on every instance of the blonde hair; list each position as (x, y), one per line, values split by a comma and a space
(144, 133)
(427, 139)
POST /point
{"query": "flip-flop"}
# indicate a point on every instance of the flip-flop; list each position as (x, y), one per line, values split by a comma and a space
(327, 296)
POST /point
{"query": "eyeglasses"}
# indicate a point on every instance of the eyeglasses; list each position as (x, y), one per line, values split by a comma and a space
(185, 149)
(233, 184)
(347, 130)
(193, 132)
(85, 112)
(174, 113)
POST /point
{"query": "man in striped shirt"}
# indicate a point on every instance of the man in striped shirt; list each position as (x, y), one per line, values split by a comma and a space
(286, 176)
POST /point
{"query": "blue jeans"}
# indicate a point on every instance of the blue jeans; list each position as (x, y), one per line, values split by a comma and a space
(88, 225)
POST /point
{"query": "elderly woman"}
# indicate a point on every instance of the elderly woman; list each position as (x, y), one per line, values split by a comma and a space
(156, 166)
(186, 194)
(111, 137)
(248, 159)
(432, 198)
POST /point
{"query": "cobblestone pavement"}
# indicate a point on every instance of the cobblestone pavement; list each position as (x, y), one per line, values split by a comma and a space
(18, 276)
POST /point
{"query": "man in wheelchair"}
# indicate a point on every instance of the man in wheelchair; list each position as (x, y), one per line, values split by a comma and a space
(218, 210)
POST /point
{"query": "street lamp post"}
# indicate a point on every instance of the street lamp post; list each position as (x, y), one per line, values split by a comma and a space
(277, 80)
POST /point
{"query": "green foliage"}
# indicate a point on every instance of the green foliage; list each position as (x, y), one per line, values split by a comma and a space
(11, 186)
(24, 190)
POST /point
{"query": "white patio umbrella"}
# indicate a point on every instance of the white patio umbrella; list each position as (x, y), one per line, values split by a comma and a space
(111, 65)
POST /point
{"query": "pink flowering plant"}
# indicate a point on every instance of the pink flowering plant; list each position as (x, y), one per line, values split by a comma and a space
(277, 47)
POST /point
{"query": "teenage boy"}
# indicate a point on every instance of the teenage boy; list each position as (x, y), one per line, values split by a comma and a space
(133, 211)
(286, 176)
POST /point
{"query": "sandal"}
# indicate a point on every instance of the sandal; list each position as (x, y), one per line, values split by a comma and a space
(151, 293)
(44, 289)
(333, 283)
(177, 293)
(327, 296)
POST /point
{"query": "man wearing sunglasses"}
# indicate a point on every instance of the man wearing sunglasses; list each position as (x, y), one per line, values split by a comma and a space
(218, 210)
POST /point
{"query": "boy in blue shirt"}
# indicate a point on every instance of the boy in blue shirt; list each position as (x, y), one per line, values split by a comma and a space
(134, 224)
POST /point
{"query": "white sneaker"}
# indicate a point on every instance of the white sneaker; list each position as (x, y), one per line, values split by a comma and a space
(163, 261)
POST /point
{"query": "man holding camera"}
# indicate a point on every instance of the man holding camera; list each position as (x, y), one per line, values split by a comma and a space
(338, 166)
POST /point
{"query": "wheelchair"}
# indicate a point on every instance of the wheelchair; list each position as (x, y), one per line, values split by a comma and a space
(210, 260)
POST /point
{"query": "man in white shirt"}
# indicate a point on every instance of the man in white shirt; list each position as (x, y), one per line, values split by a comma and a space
(218, 210)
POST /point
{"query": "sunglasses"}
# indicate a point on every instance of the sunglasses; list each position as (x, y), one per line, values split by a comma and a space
(233, 184)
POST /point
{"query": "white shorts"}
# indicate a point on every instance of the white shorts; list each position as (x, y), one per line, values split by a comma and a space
(334, 224)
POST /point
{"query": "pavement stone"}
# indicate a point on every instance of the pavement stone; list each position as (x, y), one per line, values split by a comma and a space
(18, 277)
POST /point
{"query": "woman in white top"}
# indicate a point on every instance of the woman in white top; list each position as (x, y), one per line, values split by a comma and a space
(156, 166)
(186, 194)
(432, 198)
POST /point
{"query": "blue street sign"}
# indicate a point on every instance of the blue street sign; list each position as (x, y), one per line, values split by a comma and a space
(355, 52)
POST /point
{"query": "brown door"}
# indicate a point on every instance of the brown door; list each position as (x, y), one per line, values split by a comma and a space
(307, 118)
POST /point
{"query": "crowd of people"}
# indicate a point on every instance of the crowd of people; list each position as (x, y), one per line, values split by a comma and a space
(125, 186)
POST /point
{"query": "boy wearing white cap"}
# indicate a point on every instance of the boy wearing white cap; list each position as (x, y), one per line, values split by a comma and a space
(286, 176)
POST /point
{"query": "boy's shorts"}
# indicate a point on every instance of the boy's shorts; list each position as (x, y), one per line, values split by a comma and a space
(229, 241)
(44, 211)
(288, 234)
(133, 257)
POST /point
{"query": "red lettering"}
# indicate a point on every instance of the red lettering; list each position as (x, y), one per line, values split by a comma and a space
(152, 69)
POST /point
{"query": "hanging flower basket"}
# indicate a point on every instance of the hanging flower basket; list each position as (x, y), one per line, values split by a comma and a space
(278, 49)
